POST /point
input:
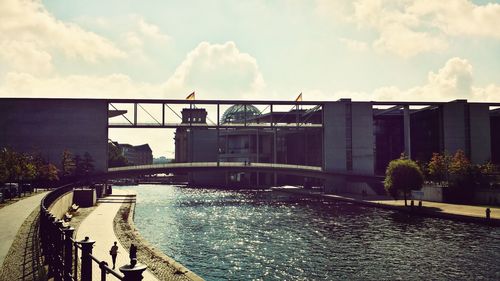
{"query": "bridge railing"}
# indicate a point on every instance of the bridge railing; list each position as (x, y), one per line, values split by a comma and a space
(61, 250)
(216, 164)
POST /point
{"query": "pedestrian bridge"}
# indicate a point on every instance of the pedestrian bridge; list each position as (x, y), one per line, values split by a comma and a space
(289, 169)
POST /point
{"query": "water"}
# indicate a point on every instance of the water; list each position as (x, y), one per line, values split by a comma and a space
(260, 235)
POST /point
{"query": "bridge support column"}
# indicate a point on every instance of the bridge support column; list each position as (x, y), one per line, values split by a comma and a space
(407, 131)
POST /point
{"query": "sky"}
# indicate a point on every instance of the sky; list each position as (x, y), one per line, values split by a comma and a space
(327, 49)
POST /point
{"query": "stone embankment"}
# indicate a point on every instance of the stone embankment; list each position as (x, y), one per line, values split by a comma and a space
(467, 213)
(162, 266)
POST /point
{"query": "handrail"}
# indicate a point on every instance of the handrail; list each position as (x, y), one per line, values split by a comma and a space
(215, 164)
(61, 249)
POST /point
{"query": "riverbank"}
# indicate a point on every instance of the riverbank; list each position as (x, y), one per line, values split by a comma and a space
(466, 213)
(161, 265)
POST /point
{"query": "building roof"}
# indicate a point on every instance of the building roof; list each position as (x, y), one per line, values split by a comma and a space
(239, 113)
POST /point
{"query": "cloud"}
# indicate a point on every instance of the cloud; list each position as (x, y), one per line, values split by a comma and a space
(17, 84)
(219, 71)
(150, 30)
(410, 27)
(354, 45)
(27, 29)
(455, 80)
(25, 56)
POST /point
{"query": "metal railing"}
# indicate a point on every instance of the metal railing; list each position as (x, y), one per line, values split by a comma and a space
(61, 250)
(217, 164)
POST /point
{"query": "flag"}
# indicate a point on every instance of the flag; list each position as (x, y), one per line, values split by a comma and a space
(191, 96)
(299, 97)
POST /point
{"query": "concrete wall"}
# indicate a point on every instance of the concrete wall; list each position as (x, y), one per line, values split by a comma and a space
(85, 197)
(50, 126)
(61, 205)
(334, 143)
(202, 147)
(454, 129)
(363, 138)
(487, 197)
(432, 193)
(336, 139)
(480, 133)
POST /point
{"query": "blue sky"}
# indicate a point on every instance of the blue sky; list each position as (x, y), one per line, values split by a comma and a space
(327, 49)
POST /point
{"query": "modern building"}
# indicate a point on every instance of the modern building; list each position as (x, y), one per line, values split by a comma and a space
(136, 154)
(340, 136)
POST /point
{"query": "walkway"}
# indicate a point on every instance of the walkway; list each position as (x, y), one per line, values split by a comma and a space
(11, 219)
(98, 225)
(444, 210)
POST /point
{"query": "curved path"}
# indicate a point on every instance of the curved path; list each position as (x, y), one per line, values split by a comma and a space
(98, 225)
(11, 219)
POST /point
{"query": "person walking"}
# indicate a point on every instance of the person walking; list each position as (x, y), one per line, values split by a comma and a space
(114, 252)
(133, 255)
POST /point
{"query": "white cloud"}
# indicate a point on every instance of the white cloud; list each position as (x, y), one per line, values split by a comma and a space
(27, 29)
(453, 81)
(150, 30)
(17, 84)
(410, 27)
(354, 45)
(25, 57)
(212, 70)
(218, 71)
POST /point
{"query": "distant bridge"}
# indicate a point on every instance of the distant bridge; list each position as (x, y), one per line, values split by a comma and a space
(288, 169)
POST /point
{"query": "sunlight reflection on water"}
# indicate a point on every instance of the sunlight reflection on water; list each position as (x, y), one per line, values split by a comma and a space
(258, 235)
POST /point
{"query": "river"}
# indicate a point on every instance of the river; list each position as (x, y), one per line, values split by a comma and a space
(264, 235)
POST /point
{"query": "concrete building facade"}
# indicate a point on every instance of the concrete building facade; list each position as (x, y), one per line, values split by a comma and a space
(49, 126)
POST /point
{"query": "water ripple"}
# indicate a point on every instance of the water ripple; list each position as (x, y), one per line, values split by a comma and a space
(258, 235)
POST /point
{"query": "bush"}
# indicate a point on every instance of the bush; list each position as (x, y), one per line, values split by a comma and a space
(403, 175)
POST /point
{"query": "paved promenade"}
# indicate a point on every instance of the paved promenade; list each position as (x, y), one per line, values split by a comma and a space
(11, 219)
(444, 210)
(98, 225)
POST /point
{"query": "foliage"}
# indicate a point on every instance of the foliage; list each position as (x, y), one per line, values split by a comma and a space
(403, 175)
(49, 172)
(438, 167)
(460, 165)
(115, 158)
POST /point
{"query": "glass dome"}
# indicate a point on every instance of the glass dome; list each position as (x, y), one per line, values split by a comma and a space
(237, 112)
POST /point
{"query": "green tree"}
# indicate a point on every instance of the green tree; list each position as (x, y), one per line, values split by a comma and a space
(49, 172)
(438, 167)
(403, 175)
(68, 164)
(460, 166)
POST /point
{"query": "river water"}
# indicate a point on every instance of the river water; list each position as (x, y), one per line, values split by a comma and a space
(263, 235)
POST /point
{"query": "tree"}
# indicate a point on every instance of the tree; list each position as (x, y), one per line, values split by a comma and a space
(460, 166)
(438, 167)
(48, 172)
(403, 175)
(68, 164)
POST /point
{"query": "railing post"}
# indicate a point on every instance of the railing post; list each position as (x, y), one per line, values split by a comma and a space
(102, 265)
(75, 265)
(133, 273)
(86, 273)
(68, 252)
(59, 250)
